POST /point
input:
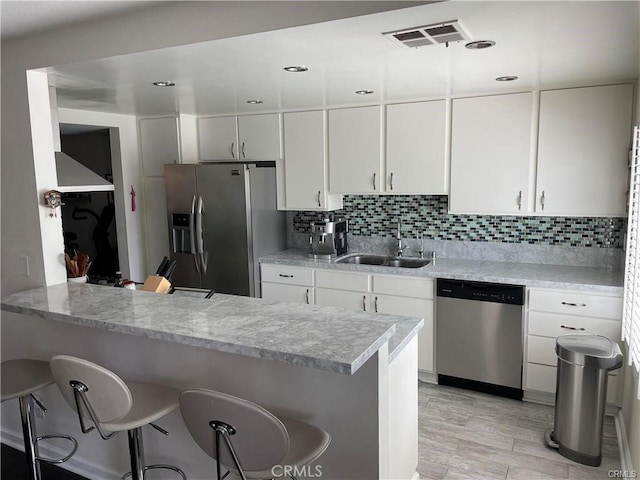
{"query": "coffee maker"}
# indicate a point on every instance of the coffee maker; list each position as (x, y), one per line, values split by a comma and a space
(328, 237)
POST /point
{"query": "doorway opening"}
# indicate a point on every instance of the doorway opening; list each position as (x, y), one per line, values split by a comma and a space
(89, 218)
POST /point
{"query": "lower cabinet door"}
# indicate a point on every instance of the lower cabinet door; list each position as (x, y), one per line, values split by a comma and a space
(411, 307)
(287, 293)
(342, 298)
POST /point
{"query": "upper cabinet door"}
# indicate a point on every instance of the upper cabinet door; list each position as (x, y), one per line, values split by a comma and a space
(416, 158)
(355, 153)
(158, 144)
(259, 137)
(491, 154)
(218, 138)
(583, 148)
(305, 162)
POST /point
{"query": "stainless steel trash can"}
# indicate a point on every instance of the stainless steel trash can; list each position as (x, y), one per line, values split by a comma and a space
(581, 395)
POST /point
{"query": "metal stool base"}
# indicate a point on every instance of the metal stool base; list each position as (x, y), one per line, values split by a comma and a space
(153, 467)
(63, 459)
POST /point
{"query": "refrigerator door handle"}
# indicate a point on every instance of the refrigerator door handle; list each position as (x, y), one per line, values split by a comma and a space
(200, 253)
(192, 233)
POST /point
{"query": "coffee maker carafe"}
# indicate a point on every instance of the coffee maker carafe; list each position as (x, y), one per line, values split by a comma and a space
(328, 237)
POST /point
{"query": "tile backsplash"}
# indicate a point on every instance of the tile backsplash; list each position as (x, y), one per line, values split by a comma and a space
(377, 216)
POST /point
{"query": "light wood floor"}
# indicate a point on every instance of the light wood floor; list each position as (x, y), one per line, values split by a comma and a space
(469, 435)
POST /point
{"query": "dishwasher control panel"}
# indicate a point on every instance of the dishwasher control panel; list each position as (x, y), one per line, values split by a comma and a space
(481, 291)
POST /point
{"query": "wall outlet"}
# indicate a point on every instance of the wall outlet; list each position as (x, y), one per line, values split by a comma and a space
(24, 265)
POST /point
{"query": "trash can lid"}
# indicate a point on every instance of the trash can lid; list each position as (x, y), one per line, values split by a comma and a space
(594, 351)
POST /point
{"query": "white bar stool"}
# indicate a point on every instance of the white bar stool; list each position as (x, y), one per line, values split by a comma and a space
(20, 379)
(114, 406)
(261, 441)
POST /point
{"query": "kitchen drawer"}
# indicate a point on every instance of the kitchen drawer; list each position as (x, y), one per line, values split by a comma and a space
(287, 293)
(553, 325)
(542, 378)
(286, 274)
(575, 303)
(403, 286)
(343, 299)
(358, 282)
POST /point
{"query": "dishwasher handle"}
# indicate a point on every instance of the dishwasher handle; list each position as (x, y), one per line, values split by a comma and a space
(480, 291)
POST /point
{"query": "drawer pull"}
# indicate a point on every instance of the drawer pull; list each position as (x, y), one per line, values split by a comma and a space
(306, 296)
(569, 304)
(572, 328)
(285, 276)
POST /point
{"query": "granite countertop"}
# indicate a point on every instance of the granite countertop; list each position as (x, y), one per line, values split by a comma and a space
(604, 280)
(324, 338)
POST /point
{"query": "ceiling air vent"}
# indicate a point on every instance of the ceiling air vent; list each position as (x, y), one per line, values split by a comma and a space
(443, 32)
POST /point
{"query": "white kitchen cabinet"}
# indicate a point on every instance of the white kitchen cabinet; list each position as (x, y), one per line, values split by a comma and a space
(287, 293)
(218, 138)
(411, 297)
(416, 157)
(554, 312)
(583, 147)
(350, 300)
(355, 150)
(159, 144)
(247, 137)
(305, 162)
(287, 284)
(491, 154)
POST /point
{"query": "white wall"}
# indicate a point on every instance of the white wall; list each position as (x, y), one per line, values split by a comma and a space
(26, 172)
(126, 172)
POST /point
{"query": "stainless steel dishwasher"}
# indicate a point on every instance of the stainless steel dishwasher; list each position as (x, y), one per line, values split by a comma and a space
(479, 336)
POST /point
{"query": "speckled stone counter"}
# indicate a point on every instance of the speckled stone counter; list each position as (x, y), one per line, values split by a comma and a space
(323, 338)
(528, 274)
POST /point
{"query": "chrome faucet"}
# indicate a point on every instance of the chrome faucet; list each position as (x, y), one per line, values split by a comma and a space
(399, 238)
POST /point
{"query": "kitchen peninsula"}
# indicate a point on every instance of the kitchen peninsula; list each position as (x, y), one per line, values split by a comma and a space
(353, 373)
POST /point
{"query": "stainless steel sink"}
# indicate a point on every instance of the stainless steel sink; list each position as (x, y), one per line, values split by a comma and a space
(383, 261)
(363, 259)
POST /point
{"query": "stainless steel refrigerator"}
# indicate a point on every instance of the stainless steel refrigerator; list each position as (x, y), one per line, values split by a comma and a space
(222, 218)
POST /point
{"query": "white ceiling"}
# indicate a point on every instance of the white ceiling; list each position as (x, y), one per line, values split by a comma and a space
(546, 44)
(26, 17)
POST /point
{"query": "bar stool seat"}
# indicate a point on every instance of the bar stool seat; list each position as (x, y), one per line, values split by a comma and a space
(255, 439)
(20, 379)
(102, 398)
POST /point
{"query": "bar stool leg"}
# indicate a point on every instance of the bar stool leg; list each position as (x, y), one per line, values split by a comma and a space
(136, 453)
(29, 435)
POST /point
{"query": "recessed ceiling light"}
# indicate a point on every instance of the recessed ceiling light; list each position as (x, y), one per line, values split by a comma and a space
(364, 92)
(296, 68)
(164, 84)
(480, 44)
(254, 102)
(507, 78)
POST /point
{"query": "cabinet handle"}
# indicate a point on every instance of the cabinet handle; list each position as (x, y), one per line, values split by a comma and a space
(542, 200)
(364, 303)
(310, 239)
(285, 276)
(375, 304)
(306, 296)
(319, 204)
(374, 181)
(243, 155)
(233, 153)
(391, 181)
(569, 304)
(572, 328)
(520, 200)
